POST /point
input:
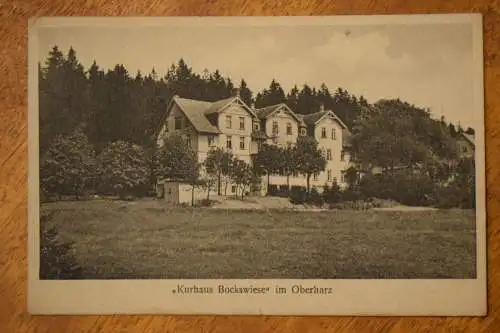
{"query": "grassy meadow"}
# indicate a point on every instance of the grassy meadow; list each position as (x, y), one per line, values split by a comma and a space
(144, 239)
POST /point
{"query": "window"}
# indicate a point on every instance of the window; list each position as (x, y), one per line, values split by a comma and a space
(329, 154)
(323, 133)
(289, 128)
(329, 175)
(275, 127)
(229, 143)
(211, 140)
(256, 126)
(334, 180)
(303, 131)
(315, 176)
(228, 122)
(188, 140)
(178, 123)
(233, 189)
(242, 143)
(334, 134)
(242, 123)
(342, 155)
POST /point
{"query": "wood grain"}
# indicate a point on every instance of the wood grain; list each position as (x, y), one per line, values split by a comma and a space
(13, 157)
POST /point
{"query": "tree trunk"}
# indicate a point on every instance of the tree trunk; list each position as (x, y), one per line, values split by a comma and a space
(268, 177)
(288, 185)
(308, 179)
(219, 184)
(192, 195)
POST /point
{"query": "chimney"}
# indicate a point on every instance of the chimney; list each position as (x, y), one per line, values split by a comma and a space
(252, 105)
(321, 107)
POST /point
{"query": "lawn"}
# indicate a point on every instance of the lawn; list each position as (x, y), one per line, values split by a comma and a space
(143, 239)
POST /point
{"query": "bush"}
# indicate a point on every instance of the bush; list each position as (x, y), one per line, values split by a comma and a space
(298, 195)
(205, 203)
(454, 196)
(315, 198)
(332, 194)
(406, 187)
(56, 258)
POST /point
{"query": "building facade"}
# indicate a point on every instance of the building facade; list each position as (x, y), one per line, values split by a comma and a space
(232, 125)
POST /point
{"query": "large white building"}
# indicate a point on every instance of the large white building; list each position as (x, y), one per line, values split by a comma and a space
(232, 125)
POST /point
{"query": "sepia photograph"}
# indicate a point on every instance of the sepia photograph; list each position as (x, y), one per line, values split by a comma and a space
(221, 153)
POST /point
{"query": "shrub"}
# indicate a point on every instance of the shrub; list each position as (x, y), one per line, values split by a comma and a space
(298, 195)
(56, 258)
(407, 187)
(332, 194)
(315, 198)
(206, 203)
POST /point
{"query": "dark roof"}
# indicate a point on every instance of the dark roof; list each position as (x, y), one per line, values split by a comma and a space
(469, 138)
(194, 111)
(265, 112)
(217, 106)
(199, 112)
(311, 119)
(262, 113)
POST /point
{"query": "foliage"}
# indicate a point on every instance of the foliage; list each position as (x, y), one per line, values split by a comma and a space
(309, 158)
(286, 162)
(175, 160)
(122, 167)
(57, 260)
(242, 175)
(332, 194)
(267, 160)
(68, 165)
(406, 186)
(218, 163)
(396, 134)
(298, 195)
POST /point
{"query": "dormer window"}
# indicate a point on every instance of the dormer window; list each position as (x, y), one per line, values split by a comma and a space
(256, 126)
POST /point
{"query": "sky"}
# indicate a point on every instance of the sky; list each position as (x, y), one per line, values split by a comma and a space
(428, 65)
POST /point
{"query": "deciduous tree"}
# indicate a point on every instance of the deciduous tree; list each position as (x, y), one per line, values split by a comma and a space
(122, 167)
(68, 165)
(309, 158)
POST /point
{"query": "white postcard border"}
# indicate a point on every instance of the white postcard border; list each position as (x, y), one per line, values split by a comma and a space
(437, 297)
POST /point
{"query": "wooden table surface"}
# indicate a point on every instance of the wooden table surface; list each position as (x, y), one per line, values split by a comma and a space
(13, 157)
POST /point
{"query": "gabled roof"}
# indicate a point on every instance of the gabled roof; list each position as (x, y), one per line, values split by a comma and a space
(198, 112)
(194, 111)
(469, 138)
(313, 118)
(219, 106)
(267, 111)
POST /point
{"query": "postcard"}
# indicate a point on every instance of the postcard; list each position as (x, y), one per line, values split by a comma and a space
(330, 165)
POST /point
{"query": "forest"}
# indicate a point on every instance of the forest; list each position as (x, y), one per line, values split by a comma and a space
(94, 111)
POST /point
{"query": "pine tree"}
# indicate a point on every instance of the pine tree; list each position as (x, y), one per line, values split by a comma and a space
(245, 93)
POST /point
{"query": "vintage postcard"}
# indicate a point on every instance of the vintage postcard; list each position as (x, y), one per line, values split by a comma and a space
(257, 165)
